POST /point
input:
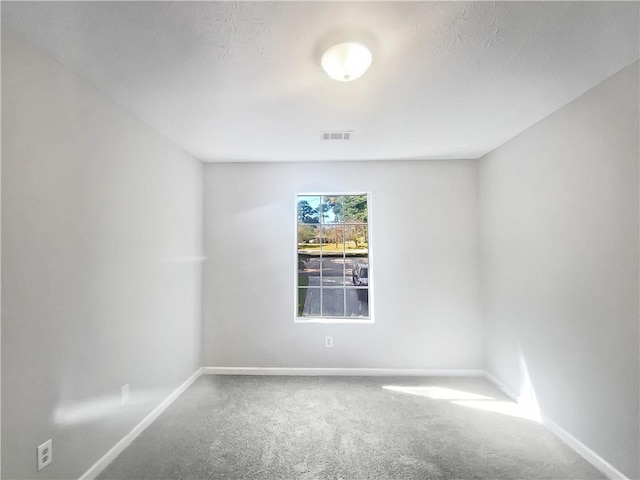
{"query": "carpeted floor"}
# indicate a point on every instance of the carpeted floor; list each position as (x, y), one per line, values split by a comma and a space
(246, 427)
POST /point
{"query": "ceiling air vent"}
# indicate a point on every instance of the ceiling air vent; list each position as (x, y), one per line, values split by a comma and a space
(336, 135)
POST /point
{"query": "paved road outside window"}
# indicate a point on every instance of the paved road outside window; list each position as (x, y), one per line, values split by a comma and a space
(336, 272)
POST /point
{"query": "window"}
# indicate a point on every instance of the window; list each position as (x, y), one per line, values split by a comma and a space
(333, 257)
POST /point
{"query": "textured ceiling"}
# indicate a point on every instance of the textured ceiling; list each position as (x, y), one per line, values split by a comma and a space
(241, 81)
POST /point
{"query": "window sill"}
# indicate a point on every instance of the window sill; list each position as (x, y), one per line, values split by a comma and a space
(337, 320)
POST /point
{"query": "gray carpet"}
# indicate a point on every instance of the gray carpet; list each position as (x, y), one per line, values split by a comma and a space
(241, 427)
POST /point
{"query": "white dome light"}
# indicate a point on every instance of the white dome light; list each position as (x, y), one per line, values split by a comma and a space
(346, 61)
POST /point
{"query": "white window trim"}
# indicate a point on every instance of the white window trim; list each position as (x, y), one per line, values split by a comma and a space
(334, 320)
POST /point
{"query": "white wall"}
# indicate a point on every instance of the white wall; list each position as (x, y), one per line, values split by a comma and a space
(424, 259)
(559, 258)
(101, 221)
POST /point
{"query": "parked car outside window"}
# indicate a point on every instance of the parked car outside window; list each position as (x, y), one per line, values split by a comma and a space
(361, 275)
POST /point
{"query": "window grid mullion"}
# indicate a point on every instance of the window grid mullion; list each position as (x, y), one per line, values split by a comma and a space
(341, 225)
(321, 258)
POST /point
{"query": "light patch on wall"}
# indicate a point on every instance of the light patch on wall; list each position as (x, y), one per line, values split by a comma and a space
(185, 259)
(99, 408)
(527, 398)
(86, 412)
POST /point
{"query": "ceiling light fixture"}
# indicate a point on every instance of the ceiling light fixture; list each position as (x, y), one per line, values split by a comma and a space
(346, 61)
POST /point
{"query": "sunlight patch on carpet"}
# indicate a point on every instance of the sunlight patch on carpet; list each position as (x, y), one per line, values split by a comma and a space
(438, 393)
(504, 407)
(471, 400)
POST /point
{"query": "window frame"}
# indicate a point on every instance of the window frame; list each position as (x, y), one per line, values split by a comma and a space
(334, 320)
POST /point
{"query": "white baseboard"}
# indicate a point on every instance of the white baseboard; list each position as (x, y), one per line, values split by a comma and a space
(580, 448)
(363, 372)
(506, 390)
(589, 455)
(117, 449)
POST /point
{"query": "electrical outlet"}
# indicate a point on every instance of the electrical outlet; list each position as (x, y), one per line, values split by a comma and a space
(45, 454)
(124, 394)
(328, 341)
